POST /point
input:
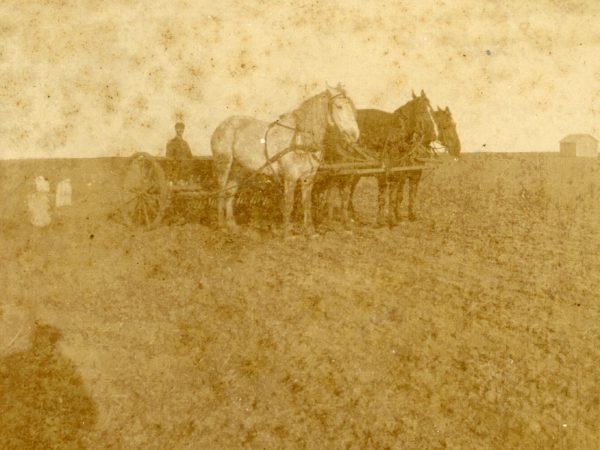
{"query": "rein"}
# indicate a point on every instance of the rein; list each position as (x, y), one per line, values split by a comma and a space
(277, 156)
(277, 122)
(410, 156)
(254, 174)
(295, 146)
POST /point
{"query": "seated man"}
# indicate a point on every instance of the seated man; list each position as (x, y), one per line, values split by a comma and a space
(179, 151)
(178, 148)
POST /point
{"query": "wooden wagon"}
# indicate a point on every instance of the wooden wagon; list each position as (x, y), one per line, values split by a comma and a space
(151, 185)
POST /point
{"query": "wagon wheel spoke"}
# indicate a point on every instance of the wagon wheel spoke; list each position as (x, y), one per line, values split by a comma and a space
(145, 192)
(147, 175)
(151, 208)
(127, 200)
(153, 203)
(147, 220)
(140, 177)
(154, 189)
(129, 208)
(154, 184)
(150, 177)
(154, 207)
(138, 213)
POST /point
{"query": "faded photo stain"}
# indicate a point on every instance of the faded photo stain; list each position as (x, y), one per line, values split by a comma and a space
(369, 224)
(75, 72)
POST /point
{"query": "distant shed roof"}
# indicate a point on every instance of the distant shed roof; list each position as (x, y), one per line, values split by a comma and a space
(578, 137)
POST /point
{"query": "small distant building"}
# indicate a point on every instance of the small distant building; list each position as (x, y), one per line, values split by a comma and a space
(579, 145)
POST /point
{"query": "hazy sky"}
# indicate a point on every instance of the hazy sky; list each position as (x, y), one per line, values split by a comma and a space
(94, 78)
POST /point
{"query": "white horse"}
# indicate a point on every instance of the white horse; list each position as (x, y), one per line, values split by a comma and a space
(289, 149)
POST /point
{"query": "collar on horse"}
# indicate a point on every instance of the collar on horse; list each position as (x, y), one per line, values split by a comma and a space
(295, 145)
(292, 148)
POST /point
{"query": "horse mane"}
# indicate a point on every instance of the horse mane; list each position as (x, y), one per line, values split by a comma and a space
(311, 119)
(337, 149)
(382, 131)
(406, 115)
(398, 135)
(405, 112)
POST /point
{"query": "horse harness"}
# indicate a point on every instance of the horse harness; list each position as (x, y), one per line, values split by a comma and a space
(295, 145)
(410, 155)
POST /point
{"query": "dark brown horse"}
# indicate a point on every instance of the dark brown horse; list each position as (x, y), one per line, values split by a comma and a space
(447, 139)
(406, 154)
(396, 138)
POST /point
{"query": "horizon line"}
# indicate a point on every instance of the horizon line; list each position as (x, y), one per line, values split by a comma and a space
(471, 152)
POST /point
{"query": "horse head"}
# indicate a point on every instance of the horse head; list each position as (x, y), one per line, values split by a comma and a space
(448, 136)
(330, 108)
(417, 116)
(342, 113)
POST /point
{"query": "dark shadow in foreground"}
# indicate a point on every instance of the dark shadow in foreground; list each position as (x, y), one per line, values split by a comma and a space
(43, 402)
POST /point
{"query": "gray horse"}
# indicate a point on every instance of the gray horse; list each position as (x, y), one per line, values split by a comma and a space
(289, 149)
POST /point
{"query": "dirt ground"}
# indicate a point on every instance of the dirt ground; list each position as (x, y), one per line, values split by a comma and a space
(477, 326)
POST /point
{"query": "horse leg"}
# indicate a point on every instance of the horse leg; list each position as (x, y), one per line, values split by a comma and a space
(339, 185)
(289, 186)
(329, 201)
(342, 186)
(353, 183)
(393, 195)
(399, 194)
(222, 169)
(232, 187)
(306, 188)
(382, 190)
(322, 199)
(413, 185)
(345, 197)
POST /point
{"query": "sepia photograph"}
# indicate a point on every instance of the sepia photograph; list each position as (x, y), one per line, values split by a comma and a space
(310, 224)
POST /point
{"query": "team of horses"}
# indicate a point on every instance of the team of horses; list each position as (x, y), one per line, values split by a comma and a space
(328, 128)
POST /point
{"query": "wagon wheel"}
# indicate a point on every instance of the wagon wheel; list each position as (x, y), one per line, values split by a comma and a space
(145, 192)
